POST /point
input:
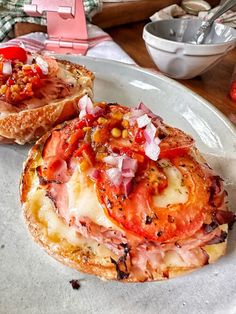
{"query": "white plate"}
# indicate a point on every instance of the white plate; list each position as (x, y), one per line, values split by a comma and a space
(32, 282)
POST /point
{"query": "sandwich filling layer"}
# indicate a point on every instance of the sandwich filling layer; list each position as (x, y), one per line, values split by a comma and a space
(134, 189)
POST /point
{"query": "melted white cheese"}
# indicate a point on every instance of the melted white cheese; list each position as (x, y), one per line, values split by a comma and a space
(83, 201)
(56, 229)
(176, 192)
(66, 75)
(56, 226)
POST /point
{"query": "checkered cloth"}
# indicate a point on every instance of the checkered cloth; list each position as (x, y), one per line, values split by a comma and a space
(11, 12)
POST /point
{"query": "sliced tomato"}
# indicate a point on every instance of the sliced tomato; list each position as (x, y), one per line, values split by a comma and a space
(176, 143)
(138, 212)
(14, 53)
(73, 141)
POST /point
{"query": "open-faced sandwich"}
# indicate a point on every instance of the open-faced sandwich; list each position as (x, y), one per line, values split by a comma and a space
(118, 193)
(37, 92)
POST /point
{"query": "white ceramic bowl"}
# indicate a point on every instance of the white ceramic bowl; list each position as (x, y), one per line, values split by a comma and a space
(167, 44)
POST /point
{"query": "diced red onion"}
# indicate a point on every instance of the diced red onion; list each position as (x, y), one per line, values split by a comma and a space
(110, 160)
(129, 163)
(114, 175)
(127, 183)
(114, 160)
(42, 64)
(134, 115)
(89, 106)
(143, 121)
(128, 173)
(155, 118)
(148, 138)
(146, 110)
(150, 132)
(82, 113)
(86, 107)
(157, 140)
(83, 102)
(123, 172)
(93, 174)
(120, 163)
(152, 150)
(7, 68)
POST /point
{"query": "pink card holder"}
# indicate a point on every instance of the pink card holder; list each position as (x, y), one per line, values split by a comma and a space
(66, 24)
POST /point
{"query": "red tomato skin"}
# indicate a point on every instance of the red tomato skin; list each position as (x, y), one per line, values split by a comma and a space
(73, 142)
(14, 53)
(169, 223)
(85, 121)
(140, 138)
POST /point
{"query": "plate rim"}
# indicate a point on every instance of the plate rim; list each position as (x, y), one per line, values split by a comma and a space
(162, 77)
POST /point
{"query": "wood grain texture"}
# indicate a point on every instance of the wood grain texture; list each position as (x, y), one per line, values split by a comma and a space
(213, 85)
(21, 29)
(213, 3)
(114, 14)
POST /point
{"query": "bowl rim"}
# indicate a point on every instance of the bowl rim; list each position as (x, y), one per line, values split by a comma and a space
(202, 47)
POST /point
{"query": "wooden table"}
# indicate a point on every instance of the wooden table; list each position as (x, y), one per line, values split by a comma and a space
(213, 85)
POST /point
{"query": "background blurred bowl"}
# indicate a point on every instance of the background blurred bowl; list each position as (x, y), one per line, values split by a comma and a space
(167, 42)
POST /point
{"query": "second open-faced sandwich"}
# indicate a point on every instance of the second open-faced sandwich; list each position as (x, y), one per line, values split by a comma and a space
(118, 193)
(37, 92)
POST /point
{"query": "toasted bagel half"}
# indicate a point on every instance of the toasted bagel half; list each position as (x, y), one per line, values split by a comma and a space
(75, 207)
(55, 100)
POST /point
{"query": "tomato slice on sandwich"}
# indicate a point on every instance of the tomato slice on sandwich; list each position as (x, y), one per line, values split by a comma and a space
(14, 53)
(122, 180)
(140, 213)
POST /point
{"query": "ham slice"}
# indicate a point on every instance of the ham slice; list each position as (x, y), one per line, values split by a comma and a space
(59, 196)
(51, 89)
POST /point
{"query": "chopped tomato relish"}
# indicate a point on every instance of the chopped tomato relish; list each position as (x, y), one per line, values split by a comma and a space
(14, 53)
(18, 79)
(21, 83)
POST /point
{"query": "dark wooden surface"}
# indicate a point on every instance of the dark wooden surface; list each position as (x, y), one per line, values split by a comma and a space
(119, 13)
(213, 85)
(112, 14)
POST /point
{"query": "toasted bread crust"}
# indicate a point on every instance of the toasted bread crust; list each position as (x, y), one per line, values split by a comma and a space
(79, 256)
(28, 125)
